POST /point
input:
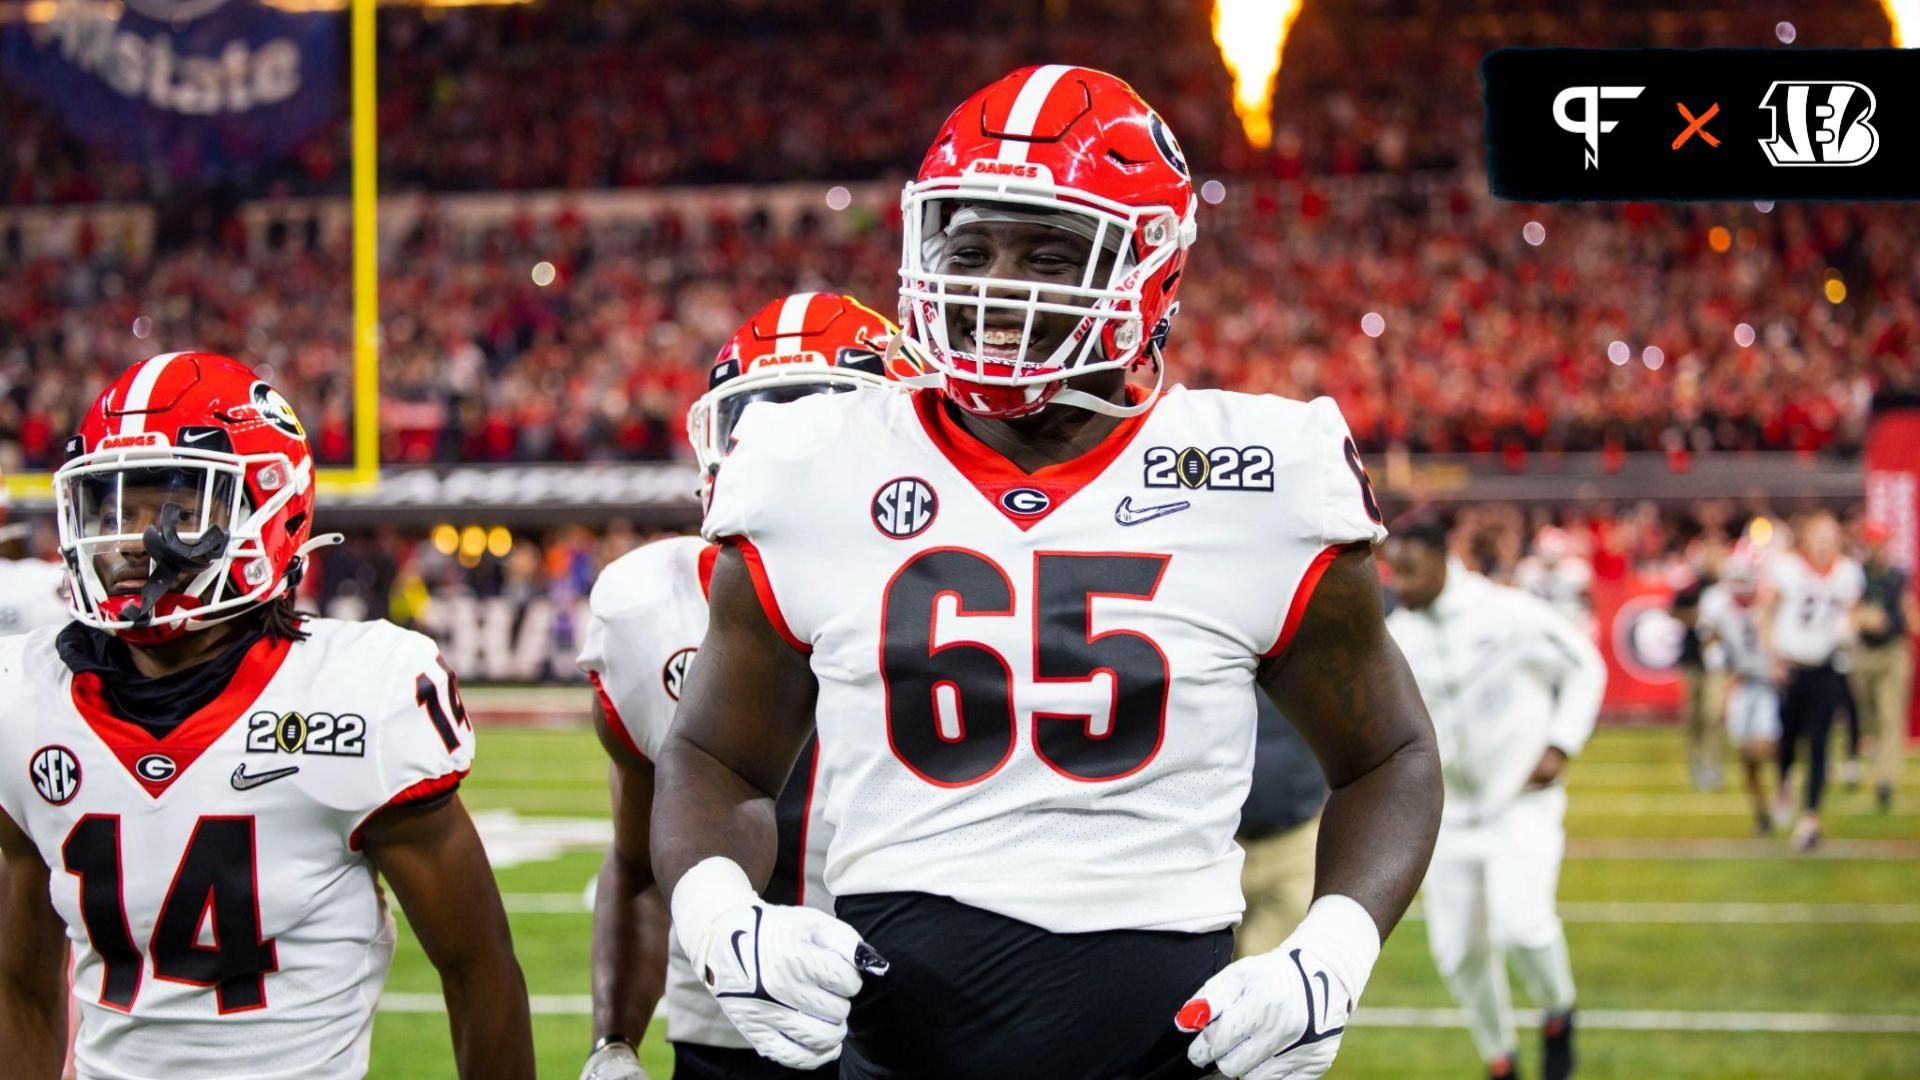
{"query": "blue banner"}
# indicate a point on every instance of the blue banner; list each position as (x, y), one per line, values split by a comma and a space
(208, 90)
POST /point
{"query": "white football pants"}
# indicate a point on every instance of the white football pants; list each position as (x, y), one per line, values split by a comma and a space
(1489, 898)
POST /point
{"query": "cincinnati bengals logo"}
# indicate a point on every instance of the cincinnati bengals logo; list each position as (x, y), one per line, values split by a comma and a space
(904, 507)
(275, 410)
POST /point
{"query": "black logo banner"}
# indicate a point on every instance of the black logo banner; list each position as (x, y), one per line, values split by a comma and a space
(1671, 124)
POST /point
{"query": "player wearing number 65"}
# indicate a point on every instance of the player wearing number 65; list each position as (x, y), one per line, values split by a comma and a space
(198, 785)
(1028, 605)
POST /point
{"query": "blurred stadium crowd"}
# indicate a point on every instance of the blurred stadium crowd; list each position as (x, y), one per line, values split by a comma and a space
(1615, 328)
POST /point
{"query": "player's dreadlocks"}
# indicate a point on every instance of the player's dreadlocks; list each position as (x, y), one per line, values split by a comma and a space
(281, 622)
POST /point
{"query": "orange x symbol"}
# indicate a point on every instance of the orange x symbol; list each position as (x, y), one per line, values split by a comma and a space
(1698, 125)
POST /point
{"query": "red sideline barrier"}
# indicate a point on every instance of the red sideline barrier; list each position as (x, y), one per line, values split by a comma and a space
(1893, 498)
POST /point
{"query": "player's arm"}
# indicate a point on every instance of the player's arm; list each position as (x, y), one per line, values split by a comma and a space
(33, 986)
(430, 856)
(785, 976)
(1349, 690)
(744, 717)
(629, 910)
(1343, 682)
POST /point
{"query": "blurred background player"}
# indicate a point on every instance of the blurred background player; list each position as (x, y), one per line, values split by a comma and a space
(649, 612)
(1806, 626)
(32, 591)
(177, 803)
(1729, 624)
(1514, 689)
(1702, 685)
(1882, 675)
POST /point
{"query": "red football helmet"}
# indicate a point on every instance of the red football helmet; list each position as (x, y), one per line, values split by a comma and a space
(201, 468)
(807, 343)
(1070, 148)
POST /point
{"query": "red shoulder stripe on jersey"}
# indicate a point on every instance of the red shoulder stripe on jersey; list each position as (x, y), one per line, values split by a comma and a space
(764, 587)
(1298, 609)
(705, 569)
(617, 725)
(184, 744)
(993, 475)
(431, 788)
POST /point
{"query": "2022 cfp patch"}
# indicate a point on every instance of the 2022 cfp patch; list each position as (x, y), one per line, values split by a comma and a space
(904, 507)
(1221, 468)
(56, 774)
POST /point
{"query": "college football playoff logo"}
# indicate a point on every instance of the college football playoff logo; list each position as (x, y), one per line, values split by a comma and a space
(1820, 123)
(904, 507)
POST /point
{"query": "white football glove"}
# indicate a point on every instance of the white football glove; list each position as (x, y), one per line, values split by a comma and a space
(784, 976)
(1280, 1015)
(614, 1061)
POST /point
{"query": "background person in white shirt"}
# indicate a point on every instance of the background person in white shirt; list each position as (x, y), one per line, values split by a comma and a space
(1806, 626)
(1514, 688)
(1729, 618)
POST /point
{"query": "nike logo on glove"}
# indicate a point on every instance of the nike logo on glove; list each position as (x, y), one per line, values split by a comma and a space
(1125, 513)
(244, 781)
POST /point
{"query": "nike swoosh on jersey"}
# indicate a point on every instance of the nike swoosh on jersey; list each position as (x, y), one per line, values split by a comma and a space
(1125, 513)
(243, 780)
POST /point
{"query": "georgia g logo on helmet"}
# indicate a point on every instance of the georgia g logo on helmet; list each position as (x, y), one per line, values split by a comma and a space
(275, 410)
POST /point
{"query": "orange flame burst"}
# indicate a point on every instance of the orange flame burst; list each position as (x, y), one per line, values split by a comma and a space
(1251, 35)
(1904, 15)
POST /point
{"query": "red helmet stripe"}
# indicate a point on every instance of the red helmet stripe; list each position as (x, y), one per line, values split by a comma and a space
(1026, 109)
(134, 409)
(792, 322)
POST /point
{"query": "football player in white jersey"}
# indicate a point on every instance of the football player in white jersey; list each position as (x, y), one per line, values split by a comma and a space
(200, 786)
(1806, 624)
(1730, 619)
(1028, 608)
(648, 614)
(1514, 688)
(32, 591)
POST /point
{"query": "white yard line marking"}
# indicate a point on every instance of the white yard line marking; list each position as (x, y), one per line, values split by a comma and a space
(1391, 1016)
(1572, 911)
(1660, 1020)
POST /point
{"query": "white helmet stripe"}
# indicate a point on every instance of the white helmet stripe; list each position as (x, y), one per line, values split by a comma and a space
(793, 319)
(140, 392)
(1026, 109)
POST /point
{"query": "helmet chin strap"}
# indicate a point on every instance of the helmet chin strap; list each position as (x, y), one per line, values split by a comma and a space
(174, 560)
(1080, 399)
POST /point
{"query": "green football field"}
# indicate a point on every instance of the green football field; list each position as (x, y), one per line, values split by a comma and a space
(1700, 951)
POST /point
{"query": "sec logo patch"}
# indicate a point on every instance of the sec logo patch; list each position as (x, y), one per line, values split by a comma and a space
(673, 675)
(56, 774)
(904, 507)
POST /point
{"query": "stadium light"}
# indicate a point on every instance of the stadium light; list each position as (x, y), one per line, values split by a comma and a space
(1251, 35)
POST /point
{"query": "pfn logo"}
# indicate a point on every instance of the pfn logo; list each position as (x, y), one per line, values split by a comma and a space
(1589, 125)
(1825, 123)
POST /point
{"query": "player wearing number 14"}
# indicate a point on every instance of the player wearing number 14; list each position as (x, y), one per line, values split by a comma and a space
(1028, 607)
(198, 785)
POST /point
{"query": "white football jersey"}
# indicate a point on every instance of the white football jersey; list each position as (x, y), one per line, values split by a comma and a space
(223, 919)
(32, 595)
(1735, 626)
(1813, 617)
(648, 616)
(1036, 691)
